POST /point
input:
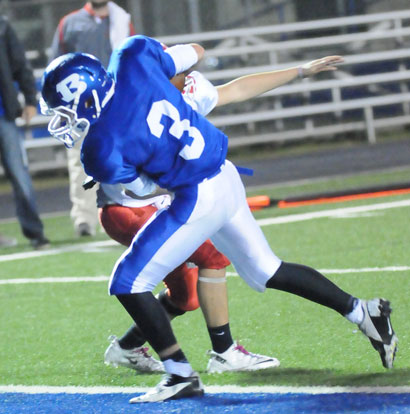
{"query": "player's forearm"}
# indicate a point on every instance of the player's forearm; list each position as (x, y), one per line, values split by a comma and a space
(199, 50)
(249, 86)
(157, 192)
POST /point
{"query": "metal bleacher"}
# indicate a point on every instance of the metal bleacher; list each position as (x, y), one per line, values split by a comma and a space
(369, 92)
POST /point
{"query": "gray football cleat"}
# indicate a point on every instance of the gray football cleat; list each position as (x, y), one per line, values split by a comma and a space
(136, 358)
(173, 387)
(376, 325)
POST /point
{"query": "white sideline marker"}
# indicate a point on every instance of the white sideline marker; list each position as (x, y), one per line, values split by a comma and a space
(212, 389)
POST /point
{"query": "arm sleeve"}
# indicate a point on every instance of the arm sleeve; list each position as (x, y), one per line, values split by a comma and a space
(184, 57)
(56, 48)
(142, 186)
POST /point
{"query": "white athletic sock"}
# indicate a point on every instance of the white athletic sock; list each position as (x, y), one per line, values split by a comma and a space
(183, 369)
(357, 314)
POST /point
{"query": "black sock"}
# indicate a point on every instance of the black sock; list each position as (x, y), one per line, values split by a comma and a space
(133, 338)
(221, 338)
(177, 356)
(310, 284)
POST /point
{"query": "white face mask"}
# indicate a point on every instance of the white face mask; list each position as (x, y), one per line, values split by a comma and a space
(65, 126)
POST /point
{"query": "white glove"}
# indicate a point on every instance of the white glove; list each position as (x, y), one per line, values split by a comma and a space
(163, 202)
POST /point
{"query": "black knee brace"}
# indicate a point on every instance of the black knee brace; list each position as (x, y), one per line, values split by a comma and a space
(151, 318)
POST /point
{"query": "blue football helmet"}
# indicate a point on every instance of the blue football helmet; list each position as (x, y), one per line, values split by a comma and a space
(75, 89)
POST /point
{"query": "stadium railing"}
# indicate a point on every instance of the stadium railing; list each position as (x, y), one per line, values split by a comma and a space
(355, 98)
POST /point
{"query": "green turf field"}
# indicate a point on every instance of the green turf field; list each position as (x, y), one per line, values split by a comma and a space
(56, 333)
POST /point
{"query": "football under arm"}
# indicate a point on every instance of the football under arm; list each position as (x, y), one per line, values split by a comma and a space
(249, 86)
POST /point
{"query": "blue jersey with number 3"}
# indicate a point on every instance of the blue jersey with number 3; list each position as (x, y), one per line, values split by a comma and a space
(147, 127)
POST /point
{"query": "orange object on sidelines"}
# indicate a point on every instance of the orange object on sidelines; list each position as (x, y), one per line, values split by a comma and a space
(339, 199)
(258, 202)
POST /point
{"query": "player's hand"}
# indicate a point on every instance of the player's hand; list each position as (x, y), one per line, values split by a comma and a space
(28, 112)
(321, 65)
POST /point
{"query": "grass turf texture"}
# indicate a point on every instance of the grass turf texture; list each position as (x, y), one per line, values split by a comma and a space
(55, 334)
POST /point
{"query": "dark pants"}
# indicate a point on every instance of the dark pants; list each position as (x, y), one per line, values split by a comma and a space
(14, 160)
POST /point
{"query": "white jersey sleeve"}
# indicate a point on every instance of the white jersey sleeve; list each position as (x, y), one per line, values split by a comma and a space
(199, 93)
(114, 194)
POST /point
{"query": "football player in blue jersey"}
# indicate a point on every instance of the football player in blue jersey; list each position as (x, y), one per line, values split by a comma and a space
(136, 130)
(188, 286)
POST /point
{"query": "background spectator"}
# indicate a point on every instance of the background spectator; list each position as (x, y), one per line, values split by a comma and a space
(97, 28)
(14, 68)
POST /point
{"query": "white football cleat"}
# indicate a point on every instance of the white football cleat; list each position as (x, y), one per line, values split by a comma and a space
(136, 358)
(173, 387)
(376, 325)
(237, 358)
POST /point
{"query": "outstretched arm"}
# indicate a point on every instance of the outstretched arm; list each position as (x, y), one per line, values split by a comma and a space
(249, 86)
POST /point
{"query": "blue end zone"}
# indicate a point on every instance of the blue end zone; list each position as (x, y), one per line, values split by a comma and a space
(18, 403)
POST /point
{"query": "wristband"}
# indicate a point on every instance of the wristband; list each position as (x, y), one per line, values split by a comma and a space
(184, 57)
(301, 72)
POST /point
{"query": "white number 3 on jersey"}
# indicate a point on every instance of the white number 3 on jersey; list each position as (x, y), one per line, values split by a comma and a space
(160, 108)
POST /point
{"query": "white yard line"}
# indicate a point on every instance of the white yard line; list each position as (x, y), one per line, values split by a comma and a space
(59, 250)
(212, 389)
(291, 218)
(347, 271)
(64, 279)
(102, 278)
(337, 212)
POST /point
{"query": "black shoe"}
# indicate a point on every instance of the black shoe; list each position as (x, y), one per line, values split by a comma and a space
(376, 325)
(40, 243)
(173, 387)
